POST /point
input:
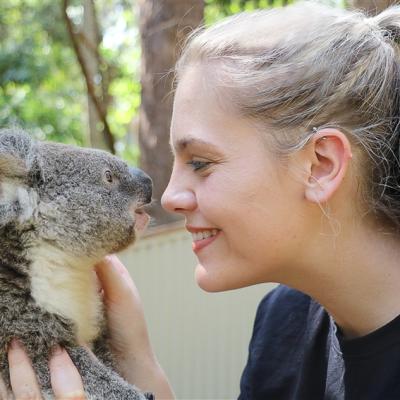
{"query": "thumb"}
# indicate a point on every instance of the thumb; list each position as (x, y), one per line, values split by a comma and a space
(114, 279)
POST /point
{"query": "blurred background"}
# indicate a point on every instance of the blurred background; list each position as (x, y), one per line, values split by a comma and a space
(100, 73)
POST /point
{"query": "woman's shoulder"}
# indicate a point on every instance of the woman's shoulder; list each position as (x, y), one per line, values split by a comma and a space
(283, 297)
(287, 311)
(286, 324)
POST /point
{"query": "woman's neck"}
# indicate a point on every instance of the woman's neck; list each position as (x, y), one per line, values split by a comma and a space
(356, 277)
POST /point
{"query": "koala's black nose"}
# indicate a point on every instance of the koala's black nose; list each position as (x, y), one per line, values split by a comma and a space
(145, 182)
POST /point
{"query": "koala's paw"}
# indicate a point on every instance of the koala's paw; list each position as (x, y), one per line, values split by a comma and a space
(100, 382)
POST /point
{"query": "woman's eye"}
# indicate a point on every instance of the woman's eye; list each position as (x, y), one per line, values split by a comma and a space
(108, 176)
(198, 165)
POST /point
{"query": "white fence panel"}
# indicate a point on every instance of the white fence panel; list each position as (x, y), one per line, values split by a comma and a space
(200, 338)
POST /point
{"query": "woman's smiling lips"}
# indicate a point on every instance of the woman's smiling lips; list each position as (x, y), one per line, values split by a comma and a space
(202, 237)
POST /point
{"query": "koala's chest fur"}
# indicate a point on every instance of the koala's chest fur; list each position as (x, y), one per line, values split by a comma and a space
(67, 287)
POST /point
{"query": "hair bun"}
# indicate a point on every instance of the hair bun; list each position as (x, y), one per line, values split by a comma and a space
(388, 22)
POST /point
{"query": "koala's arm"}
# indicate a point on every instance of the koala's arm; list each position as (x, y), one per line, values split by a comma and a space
(101, 382)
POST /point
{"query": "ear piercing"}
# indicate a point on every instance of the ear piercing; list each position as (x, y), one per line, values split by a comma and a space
(315, 130)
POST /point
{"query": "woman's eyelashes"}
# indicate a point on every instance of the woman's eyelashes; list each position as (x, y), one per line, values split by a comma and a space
(198, 165)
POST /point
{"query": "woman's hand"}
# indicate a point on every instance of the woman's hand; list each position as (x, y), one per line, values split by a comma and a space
(65, 379)
(128, 330)
(125, 316)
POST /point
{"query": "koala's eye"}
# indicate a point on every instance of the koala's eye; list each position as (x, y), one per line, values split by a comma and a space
(108, 176)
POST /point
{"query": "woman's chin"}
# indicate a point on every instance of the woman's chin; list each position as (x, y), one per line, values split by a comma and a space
(205, 280)
(213, 280)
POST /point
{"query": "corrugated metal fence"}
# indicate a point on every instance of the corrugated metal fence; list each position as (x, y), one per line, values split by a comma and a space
(200, 338)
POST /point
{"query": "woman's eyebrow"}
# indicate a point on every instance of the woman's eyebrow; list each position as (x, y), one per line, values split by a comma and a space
(183, 144)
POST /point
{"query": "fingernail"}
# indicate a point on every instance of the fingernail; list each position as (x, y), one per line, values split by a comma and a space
(107, 262)
(15, 344)
(57, 350)
(115, 263)
(110, 258)
(78, 395)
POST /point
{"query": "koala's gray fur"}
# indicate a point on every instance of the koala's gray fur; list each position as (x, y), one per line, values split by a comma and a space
(59, 215)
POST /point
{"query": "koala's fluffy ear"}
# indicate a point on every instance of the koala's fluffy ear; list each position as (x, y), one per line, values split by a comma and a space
(18, 175)
(16, 154)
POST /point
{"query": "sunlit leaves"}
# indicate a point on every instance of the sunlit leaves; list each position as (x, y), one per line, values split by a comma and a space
(217, 9)
(40, 84)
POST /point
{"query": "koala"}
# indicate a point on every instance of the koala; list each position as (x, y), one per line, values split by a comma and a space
(62, 209)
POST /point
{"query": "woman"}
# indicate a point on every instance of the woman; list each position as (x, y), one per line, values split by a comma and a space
(286, 134)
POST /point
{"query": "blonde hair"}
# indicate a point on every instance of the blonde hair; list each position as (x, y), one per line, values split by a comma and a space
(308, 66)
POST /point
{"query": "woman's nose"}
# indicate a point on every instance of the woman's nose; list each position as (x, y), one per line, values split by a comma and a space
(178, 200)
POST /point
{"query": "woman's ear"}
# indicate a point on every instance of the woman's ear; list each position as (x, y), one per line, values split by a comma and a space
(329, 153)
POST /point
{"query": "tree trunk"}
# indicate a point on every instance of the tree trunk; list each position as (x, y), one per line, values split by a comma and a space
(163, 28)
(86, 40)
(91, 31)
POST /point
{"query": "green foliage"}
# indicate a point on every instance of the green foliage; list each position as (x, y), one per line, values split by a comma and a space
(121, 50)
(217, 9)
(41, 85)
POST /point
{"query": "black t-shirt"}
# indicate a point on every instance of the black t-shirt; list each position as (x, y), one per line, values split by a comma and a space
(297, 353)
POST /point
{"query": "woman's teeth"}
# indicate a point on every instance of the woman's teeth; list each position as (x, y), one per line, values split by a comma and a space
(204, 235)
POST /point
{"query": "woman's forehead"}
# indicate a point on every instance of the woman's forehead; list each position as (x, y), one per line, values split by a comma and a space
(192, 86)
(204, 117)
(204, 82)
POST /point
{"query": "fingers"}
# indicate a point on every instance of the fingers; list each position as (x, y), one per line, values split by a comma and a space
(114, 278)
(23, 379)
(65, 379)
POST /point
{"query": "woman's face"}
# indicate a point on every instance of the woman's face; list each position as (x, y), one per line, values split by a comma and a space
(241, 204)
